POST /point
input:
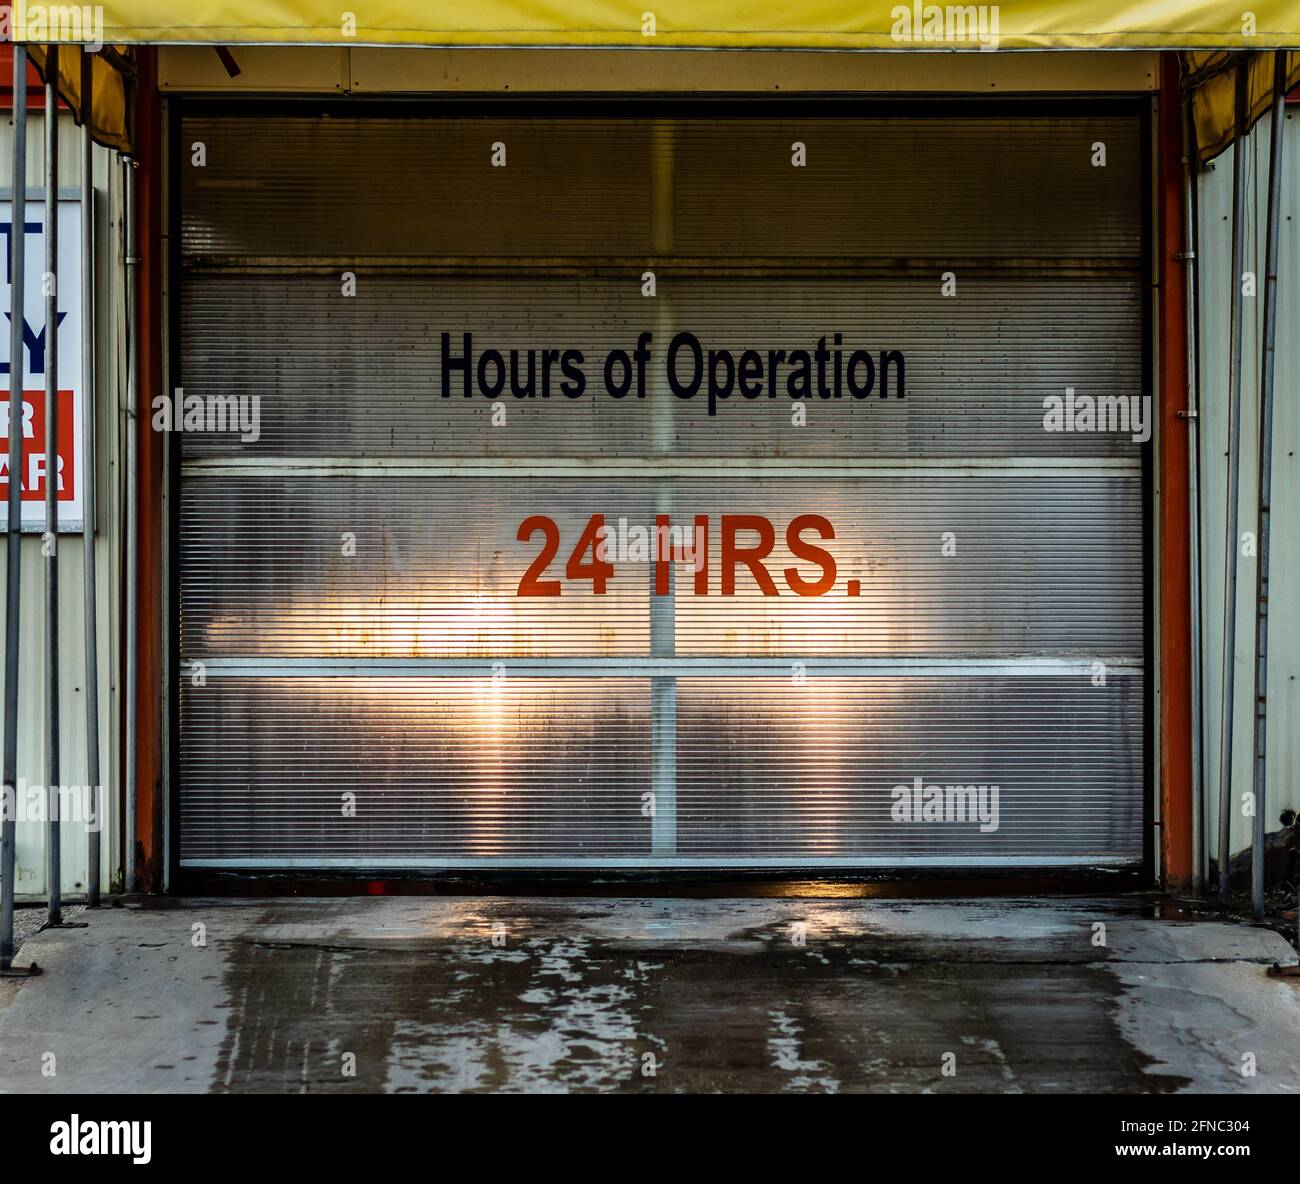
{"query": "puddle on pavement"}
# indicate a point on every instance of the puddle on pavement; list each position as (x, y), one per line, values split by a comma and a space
(848, 1012)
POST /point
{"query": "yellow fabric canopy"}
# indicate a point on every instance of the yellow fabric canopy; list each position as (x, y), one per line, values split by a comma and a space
(1214, 97)
(109, 111)
(784, 24)
(1206, 30)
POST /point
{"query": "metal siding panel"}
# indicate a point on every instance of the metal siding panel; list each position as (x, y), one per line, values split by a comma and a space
(30, 849)
(1215, 289)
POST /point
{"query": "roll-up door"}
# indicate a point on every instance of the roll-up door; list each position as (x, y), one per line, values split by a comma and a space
(369, 676)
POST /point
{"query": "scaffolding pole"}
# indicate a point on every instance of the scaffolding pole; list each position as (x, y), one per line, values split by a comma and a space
(1230, 542)
(1192, 416)
(1265, 469)
(132, 529)
(50, 539)
(13, 535)
(89, 487)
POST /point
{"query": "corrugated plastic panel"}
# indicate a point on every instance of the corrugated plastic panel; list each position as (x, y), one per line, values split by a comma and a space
(448, 771)
(1042, 565)
(895, 188)
(349, 579)
(365, 376)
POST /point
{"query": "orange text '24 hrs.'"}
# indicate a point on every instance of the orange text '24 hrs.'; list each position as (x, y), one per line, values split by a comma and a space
(745, 541)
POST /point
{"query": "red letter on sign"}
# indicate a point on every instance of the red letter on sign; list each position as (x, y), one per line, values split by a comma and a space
(531, 585)
(599, 570)
(819, 555)
(695, 552)
(751, 557)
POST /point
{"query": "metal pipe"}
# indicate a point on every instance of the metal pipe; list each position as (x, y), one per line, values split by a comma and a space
(50, 539)
(89, 437)
(1265, 471)
(1234, 459)
(1193, 418)
(132, 530)
(13, 533)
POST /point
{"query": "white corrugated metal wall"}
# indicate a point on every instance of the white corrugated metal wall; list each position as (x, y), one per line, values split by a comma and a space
(1215, 302)
(30, 883)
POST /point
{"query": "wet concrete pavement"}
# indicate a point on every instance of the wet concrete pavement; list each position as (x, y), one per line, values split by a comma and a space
(651, 995)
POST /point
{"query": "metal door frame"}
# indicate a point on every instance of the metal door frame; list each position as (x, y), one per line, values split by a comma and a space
(351, 871)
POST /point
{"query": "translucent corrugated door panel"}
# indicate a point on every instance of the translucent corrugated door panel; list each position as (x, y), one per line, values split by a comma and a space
(362, 683)
(1054, 763)
(329, 769)
(1044, 565)
(365, 376)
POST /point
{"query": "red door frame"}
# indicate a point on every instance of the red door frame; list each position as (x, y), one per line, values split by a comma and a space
(149, 839)
(1173, 529)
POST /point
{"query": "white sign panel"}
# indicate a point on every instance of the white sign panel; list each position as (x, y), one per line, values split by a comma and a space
(36, 467)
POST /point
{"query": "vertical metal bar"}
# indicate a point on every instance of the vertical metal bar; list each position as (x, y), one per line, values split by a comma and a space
(132, 531)
(663, 701)
(1193, 418)
(13, 534)
(663, 172)
(88, 445)
(1260, 830)
(663, 609)
(1234, 460)
(50, 541)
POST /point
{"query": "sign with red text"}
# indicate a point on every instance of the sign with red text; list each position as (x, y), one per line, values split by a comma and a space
(67, 467)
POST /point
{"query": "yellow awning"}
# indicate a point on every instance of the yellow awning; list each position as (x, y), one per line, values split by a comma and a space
(109, 113)
(784, 24)
(1214, 98)
(1206, 31)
